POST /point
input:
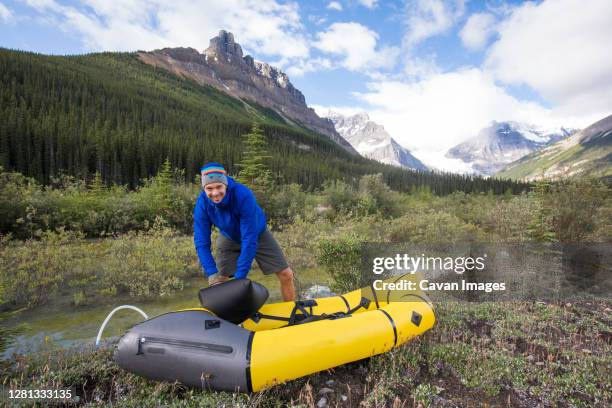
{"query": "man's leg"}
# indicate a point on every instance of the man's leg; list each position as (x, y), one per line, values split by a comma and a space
(270, 258)
(286, 284)
(227, 255)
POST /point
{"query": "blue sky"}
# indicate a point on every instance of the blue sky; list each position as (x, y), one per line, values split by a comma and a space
(432, 72)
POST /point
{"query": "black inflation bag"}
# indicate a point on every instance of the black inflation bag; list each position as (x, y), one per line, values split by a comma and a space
(235, 300)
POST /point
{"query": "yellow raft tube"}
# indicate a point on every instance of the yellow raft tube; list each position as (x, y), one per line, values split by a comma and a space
(282, 353)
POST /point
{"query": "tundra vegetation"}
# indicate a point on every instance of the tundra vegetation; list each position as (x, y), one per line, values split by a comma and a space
(94, 242)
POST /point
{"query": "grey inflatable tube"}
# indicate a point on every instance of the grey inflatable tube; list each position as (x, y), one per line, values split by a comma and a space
(192, 347)
(195, 347)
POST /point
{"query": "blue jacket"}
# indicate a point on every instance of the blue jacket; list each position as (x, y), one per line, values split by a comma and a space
(238, 218)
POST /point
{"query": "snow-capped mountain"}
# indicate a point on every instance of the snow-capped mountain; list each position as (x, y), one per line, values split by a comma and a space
(502, 143)
(371, 140)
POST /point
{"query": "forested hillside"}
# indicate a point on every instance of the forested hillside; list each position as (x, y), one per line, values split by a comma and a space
(111, 113)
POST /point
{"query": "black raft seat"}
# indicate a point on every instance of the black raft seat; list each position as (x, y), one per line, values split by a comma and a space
(235, 300)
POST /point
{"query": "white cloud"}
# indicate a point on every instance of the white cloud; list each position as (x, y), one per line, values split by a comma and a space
(425, 19)
(273, 28)
(477, 30)
(357, 46)
(316, 19)
(334, 5)
(431, 115)
(5, 14)
(560, 49)
(303, 66)
(437, 160)
(368, 3)
(428, 18)
(420, 67)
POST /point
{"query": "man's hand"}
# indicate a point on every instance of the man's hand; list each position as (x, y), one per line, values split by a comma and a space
(216, 279)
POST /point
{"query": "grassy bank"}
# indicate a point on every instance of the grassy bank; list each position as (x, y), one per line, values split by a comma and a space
(500, 354)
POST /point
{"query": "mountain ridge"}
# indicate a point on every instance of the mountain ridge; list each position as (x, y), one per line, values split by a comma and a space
(223, 66)
(587, 152)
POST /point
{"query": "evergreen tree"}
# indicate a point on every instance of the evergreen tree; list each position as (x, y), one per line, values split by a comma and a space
(97, 187)
(541, 227)
(254, 170)
(162, 183)
(164, 176)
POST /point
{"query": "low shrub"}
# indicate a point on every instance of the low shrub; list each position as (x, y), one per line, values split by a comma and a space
(285, 204)
(430, 227)
(32, 271)
(341, 257)
(148, 263)
(576, 208)
(339, 196)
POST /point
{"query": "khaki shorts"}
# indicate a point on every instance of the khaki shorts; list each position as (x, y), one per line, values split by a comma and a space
(269, 255)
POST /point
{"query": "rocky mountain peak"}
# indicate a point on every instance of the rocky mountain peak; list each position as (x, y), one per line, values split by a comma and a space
(503, 142)
(226, 55)
(223, 47)
(371, 140)
(338, 118)
(275, 74)
(362, 117)
(223, 44)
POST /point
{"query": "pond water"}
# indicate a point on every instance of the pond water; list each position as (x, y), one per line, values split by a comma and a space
(59, 324)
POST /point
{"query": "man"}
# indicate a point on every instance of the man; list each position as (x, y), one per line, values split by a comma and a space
(232, 208)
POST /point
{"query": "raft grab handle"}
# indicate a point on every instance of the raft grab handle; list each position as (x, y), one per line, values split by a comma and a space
(112, 313)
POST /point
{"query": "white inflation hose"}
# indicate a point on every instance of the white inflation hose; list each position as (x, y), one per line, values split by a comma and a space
(111, 315)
